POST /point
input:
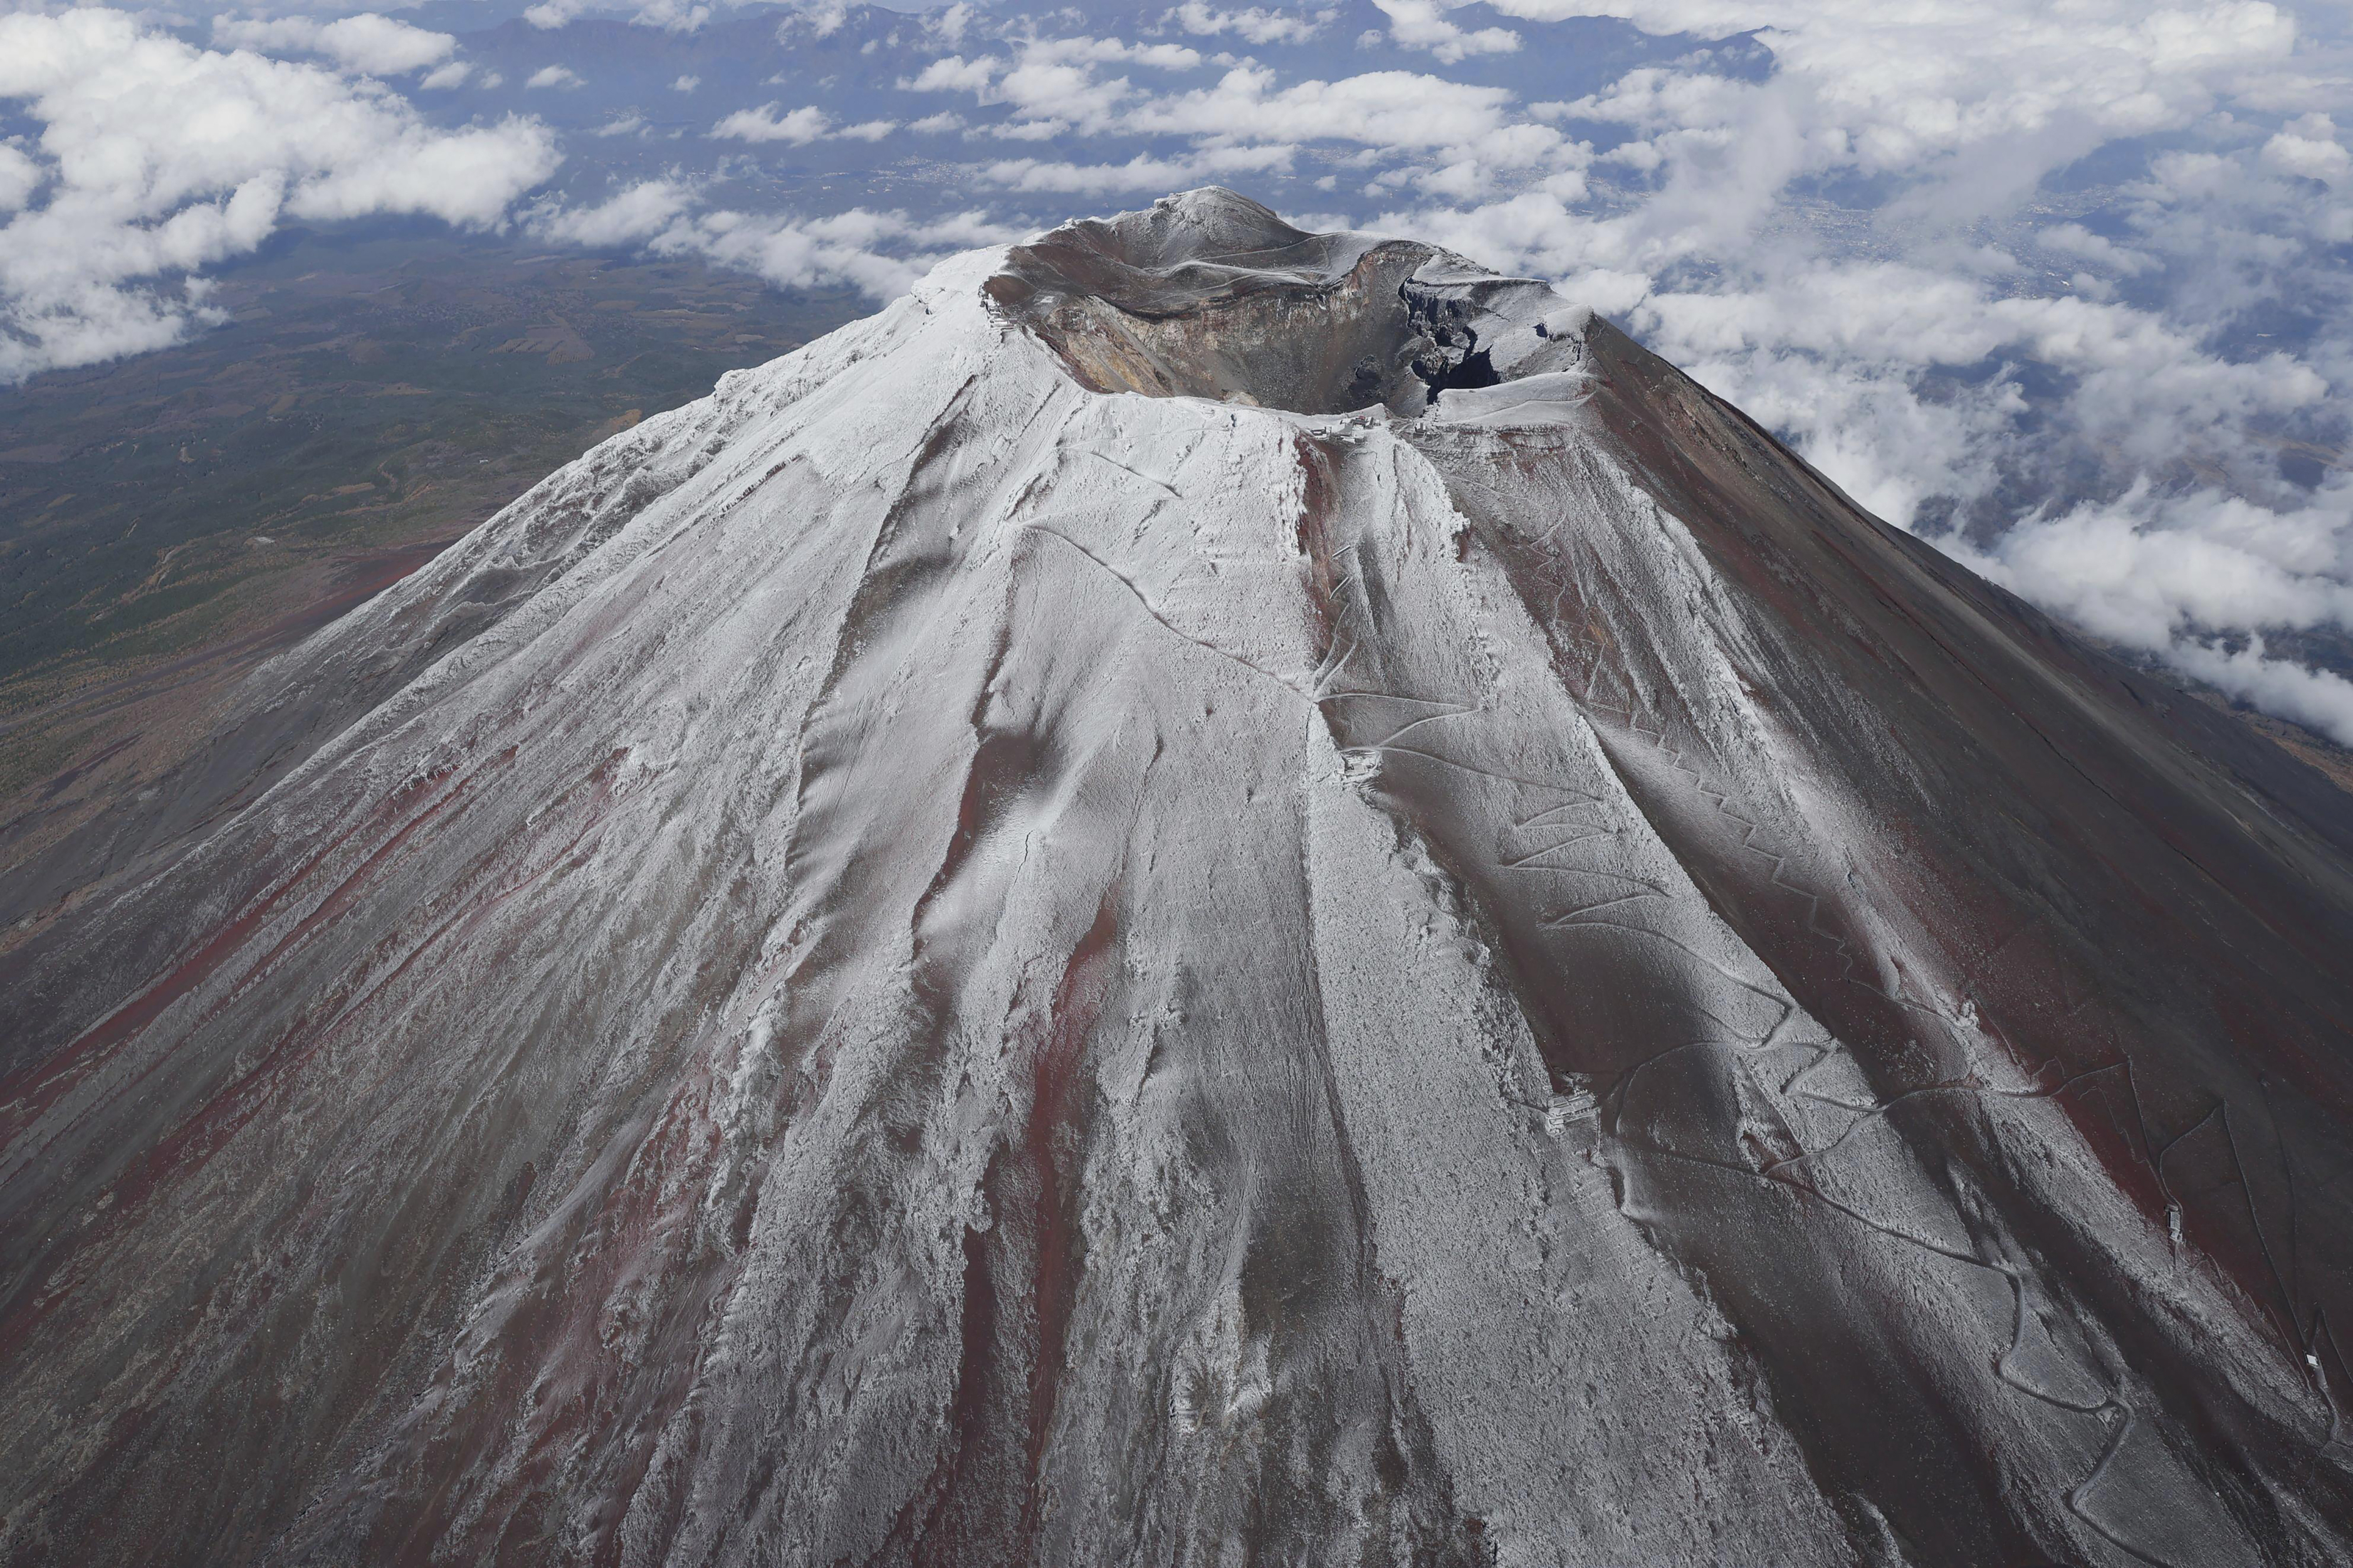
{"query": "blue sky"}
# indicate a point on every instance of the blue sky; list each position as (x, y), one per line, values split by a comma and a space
(2060, 285)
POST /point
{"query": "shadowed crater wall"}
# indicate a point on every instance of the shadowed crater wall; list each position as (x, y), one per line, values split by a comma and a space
(1210, 295)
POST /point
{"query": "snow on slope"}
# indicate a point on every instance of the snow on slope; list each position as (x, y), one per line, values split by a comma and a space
(1195, 897)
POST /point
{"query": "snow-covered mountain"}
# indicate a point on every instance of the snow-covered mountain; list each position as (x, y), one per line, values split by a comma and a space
(1210, 894)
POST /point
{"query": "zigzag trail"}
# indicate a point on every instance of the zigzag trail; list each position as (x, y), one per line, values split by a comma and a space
(2114, 1402)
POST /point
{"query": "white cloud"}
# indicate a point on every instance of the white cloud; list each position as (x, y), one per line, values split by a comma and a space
(555, 76)
(824, 18)
(949, 24)
(1471, 136)
(1051, 83)
(2318, 698)
(1423, 25)
(954, 73)
(798, 127)
(630, 218)
(1096, 51)
(1386, 108)
(881, 253)
(158, 159)
(377, 45)
(795, 129)
(2074, 240)
(1904, 85)
(1139, 173)
(1053, 93)
(686, 84)
(1025, 130)
(2149, 570)
(2162, 573)
(19, 178)
(1253, 25)
(675, 16)
(2308, 147)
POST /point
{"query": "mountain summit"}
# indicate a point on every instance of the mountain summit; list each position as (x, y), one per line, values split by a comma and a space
(1208, 895)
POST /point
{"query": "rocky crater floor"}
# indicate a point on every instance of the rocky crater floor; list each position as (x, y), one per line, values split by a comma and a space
(1210, 895)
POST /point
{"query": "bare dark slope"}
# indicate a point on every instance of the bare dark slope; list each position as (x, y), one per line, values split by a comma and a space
(1416, 946)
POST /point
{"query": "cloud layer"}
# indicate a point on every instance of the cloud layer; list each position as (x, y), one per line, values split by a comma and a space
(379, 45)
(1870, 247)
(156, 158)
(881, 253)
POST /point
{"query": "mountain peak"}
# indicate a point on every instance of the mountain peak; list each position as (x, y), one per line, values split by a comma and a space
(1209, 294)
(1209, 892)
